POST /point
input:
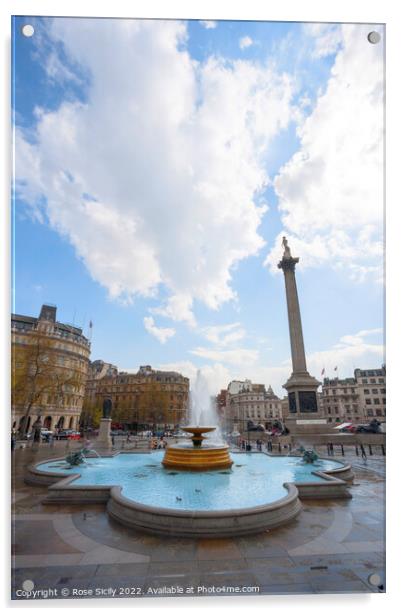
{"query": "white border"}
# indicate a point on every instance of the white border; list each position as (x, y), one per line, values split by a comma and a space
(378, 11)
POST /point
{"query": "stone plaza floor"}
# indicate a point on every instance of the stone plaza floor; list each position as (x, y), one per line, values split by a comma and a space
(332, 547)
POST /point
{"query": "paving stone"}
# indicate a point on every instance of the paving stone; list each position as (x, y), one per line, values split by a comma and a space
(344, 536)
(119, 570)
(214, 549)
(223, 565)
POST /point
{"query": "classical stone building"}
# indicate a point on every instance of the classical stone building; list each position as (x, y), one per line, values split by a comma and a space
(253, 402)
(146, 399)
(49, 370)
(97, 370)
(340, 401)
(355, 399)
(372, 392)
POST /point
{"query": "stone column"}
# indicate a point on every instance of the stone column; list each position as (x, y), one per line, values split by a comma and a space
(301, 386)
(288, 265)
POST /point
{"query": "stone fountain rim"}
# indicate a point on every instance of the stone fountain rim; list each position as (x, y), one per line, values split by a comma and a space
(194, 523)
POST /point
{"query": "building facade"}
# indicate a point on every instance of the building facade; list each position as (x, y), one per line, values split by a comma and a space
(372, 392)
(340, 401)
(146, 399)
(49, 371)
(252, 402)
(356, 399)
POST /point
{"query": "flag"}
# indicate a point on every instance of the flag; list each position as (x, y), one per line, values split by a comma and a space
(90, 324)
(336, 368)
(322, 371)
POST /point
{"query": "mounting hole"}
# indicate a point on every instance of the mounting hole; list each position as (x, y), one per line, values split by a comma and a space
(28, 585)
(374, 579)
(374, 37)
(28, 30)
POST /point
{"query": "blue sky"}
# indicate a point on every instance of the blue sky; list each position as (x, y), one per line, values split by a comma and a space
(158, 164)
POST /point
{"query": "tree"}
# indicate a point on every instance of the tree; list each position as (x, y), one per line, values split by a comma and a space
(38, 371)
(91, 415)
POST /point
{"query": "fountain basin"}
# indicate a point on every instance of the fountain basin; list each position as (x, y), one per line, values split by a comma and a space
(260, 492)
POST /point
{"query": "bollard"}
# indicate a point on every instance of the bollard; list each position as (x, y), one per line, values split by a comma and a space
(370, 450)
(343, 451)
(383, 450)
(357, 450)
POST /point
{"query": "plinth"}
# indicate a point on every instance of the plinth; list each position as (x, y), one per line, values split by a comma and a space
(104, 441)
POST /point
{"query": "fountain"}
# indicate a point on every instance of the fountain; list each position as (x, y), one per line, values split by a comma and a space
(163, 496)
(199, 456)
(205, 453)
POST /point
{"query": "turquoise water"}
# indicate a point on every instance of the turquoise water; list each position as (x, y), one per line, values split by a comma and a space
(255, 479)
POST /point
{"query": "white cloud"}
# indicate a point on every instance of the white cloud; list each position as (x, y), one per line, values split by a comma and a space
(358, 339)
(245, 41)
(208, 24)
(217, 375)
(327, 38)
(178, 308)
(161, 333)
(224, 335)
(156, 178)
(350, 352)
(330, 193)
(235, 356)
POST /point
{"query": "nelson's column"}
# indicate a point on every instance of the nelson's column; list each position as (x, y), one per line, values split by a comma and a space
(301, 386)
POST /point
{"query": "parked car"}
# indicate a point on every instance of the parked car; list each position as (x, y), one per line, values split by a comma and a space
(371, 428)
(46, 434)
(75, 436)
(67, 434)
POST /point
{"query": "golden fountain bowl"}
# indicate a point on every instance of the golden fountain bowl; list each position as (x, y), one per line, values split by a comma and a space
(199, 457)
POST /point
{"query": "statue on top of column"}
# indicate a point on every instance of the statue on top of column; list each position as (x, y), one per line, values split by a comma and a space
(286, 247)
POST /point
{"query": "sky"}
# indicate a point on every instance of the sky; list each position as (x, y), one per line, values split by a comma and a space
(157, 165)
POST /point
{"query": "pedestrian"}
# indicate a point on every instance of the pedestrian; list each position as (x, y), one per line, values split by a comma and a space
(328, 449)
(112, 440)
(363, 451)
(331, 448)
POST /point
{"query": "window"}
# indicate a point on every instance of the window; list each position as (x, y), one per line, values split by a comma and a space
(378, 412)
(368, 401)
(376, 401)
(383, 400)
(382, 391)
(374, 391)
(364, 381)
(366, 391)
(370, 413)
(372, 380)
(381, 380)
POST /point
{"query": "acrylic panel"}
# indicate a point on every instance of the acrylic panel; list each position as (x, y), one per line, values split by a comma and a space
(198, 372)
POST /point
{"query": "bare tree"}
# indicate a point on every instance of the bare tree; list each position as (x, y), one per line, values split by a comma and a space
(38, 371)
